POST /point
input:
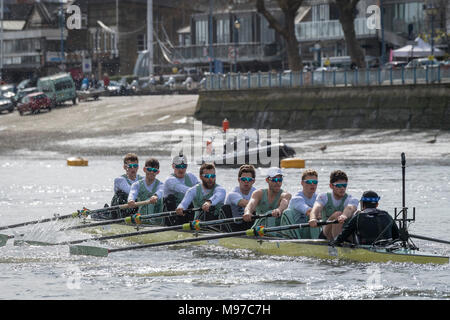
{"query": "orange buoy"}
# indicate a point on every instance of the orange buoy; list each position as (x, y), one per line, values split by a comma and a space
(225, 125)
(77, 161)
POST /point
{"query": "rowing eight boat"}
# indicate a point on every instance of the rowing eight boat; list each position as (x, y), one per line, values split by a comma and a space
(314, 248)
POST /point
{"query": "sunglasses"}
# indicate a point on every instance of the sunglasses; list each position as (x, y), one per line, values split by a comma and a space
(181, 166)
(246, 179)
(152, 169)
(340, 185)
(133, 165)
(276, 179)
(209, 176)
(311, 181)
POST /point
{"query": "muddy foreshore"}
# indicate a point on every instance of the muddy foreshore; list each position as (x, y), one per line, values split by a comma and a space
(46, 132)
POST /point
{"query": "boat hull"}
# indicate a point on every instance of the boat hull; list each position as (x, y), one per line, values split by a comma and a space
(313, 248)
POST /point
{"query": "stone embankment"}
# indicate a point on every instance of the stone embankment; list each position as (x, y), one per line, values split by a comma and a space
(374, 107)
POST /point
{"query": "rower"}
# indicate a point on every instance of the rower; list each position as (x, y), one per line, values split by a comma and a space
(149, 188)
(176, 186)
(123, 184)
(237, 200)
(301, 206)
(206, 195)
(335, 205)
(369, 225)
(272, 200)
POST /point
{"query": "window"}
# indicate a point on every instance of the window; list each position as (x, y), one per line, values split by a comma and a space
(245, 32)
(201, 31)
(142, 42)
(223, 31)
(267, 34)
(321, 12)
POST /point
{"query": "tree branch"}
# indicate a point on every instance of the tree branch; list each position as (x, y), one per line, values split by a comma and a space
(273, 23)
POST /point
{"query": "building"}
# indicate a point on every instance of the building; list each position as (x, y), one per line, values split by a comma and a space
(31, 39)
(240, 39)
(318, 30)
(114, 32)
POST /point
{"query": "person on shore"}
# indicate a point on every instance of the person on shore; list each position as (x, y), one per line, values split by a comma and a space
(106, 81)
(272, 200)
(369, 225)
(333, 205)
(122, 184)
(301, 206)
(176, 186)
(207, 195)
(237, 200)
(149, 188)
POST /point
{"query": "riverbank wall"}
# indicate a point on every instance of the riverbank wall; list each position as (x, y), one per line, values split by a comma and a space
(421, 106)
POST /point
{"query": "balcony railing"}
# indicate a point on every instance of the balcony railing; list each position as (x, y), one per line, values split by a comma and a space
(361, 77)
(329, 30)
(225, 52)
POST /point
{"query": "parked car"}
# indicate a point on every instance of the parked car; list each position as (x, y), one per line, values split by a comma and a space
(34, 103)
(395, 64)
(22, 93)
(422, 63)
(6, 104)
(59, 88)
(120, 88)
(8, 91)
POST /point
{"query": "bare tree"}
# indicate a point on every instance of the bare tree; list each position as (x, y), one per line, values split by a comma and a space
(347, 15)
(286, 28)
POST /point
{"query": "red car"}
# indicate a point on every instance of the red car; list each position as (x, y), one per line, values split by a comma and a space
(34, 103)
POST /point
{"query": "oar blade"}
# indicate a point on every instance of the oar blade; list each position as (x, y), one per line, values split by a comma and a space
(3, 239)
(32, 243)
(89, 251)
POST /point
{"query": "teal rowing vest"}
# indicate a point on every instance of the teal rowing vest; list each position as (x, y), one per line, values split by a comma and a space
(327, 211)
(329, 208)
(200, 199)
(264, 207)
(291, 216)
(143, 195)
(179, 195)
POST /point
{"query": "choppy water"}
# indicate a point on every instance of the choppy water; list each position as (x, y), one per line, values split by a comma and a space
(39, 185)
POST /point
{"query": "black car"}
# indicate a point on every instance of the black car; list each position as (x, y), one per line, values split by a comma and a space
(6, 105)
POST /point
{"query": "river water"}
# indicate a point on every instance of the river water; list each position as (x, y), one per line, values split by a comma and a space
(37, 185)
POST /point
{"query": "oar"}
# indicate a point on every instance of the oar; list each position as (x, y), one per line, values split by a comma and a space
(56, 217)
(135, 219)
(257, 231)
(189, 226)
(83, 212)
(428, 238)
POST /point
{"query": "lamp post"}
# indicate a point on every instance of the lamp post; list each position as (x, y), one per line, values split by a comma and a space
(383, 44)
(237, 25)
(151, 69)
(431, 11)
(1, 40)
(61, 24)
(210, 37)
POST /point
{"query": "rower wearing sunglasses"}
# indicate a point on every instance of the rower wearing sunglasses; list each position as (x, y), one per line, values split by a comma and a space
(206, 195)
(271, 200)
(149, 188)
(333, 205)
(301, 206)
(122, 185)
(237, 200)
(176, 186)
